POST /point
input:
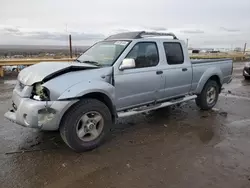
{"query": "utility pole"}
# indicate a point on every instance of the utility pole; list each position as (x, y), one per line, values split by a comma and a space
(245, 46)
(187, 43)
(70, 46)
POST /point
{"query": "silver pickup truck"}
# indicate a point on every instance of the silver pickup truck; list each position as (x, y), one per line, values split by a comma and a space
(123, 75)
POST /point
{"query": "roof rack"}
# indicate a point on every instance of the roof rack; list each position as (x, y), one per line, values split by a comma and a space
(157, 34)
(138, 34)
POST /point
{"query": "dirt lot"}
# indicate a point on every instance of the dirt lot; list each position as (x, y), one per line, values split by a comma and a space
(173, 147)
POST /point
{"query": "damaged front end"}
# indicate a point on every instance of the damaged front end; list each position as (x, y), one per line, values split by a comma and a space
(41, 98)
(33, 108)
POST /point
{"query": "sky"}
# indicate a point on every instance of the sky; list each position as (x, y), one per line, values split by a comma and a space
(205, 23)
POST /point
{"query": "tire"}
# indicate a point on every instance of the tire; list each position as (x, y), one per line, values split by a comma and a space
(202, 98)
(70, 124)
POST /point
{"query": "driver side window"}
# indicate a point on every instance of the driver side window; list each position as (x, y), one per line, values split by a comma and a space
(145, 54)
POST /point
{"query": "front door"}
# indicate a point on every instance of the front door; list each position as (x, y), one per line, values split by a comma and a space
(142, 84)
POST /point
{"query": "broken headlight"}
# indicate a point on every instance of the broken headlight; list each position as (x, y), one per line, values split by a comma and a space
(40, 92)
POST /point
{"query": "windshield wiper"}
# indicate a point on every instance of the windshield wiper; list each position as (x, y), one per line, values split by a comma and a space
(92, 62)
(77, 60)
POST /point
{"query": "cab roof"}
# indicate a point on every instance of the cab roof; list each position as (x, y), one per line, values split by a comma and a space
(138, 35)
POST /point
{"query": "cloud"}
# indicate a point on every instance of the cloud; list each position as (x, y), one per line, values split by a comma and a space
(137, 28)
(9, 30)
(119, 30)
(229, 30)
(192, 31)
(40, 35)
(157, 28)
(63, 36)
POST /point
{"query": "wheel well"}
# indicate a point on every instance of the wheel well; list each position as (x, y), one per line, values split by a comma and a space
(103, 98)
(99, 96)
(217, 79)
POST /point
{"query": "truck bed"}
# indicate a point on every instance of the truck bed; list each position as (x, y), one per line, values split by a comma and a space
(202, 69)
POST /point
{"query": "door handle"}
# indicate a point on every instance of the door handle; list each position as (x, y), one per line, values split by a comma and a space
(159, 72)
(184, 69)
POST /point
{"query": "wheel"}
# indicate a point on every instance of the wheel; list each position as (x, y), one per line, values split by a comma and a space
(86, 125)
(208, 96)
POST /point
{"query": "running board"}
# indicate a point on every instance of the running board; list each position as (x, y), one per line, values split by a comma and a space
(154, 107)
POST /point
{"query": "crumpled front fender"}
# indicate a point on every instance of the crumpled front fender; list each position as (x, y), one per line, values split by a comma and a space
(83, 88)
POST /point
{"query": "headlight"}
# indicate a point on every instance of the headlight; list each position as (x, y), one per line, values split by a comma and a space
(40, 92)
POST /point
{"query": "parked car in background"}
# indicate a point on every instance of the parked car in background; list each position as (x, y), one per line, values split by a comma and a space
(13, 68)
(10, 68)
(246, 71)
(123, 75)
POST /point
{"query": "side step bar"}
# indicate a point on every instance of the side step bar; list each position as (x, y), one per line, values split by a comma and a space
(157, 106)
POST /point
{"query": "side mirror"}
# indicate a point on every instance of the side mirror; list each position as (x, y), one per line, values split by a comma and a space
(127, 64)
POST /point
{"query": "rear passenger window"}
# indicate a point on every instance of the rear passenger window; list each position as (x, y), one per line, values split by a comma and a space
(174, 53)
(145, 54)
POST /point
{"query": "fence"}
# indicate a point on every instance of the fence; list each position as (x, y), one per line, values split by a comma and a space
(26, 62)
(235, 57)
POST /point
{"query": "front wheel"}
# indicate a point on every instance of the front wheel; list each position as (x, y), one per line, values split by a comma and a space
(86, 125)
(208, 96)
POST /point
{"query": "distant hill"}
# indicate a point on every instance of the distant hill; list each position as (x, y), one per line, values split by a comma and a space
(38, 47)
(28, 50)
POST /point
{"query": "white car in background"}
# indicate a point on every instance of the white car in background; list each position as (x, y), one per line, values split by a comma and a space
(246, 71)
(13, 68)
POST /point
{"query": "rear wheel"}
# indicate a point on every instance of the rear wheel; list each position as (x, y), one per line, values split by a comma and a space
(86, 125)
(209, 95)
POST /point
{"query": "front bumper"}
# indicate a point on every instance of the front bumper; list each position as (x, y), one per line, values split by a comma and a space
(37, 114)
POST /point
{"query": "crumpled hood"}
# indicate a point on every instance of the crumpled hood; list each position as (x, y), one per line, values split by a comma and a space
(45, 70)
(84, 79)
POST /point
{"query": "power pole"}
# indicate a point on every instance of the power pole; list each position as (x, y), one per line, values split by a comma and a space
(187, 42)
(70, 47)
(245, 46)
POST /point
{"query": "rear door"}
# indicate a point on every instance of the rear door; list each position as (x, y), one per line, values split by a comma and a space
(142, 84)
(177, 70)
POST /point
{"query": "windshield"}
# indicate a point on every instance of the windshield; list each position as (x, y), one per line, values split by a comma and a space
(104, 53)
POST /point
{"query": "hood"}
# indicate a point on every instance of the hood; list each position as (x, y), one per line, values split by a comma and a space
(61, 83)
(46, 70)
